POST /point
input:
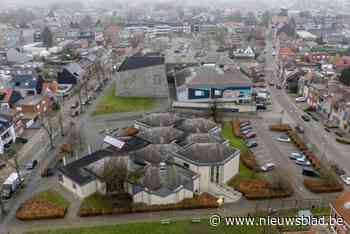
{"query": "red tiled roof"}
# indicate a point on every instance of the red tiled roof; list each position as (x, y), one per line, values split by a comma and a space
(7, 94)
(338, 205)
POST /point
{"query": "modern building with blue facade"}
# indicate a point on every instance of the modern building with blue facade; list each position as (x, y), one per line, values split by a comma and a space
(206, 83)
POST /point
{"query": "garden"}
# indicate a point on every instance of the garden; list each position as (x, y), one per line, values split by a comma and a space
(45, 205)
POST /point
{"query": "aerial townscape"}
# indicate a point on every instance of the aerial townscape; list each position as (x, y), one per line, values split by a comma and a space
(174, 117)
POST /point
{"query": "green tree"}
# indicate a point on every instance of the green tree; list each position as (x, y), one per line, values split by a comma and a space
(345, 77)
(47, 37)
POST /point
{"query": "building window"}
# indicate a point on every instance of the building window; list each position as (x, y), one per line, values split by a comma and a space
(38, 107)
(199, 93)
(74, 186)
(186, 165)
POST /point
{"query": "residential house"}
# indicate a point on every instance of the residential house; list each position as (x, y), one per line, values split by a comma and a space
(71, 74)
(7, 133)
(8, 97)
(247, 53)
(27, 84)
(142, 76)
(16, 117)
(340, 210)
(33, 106)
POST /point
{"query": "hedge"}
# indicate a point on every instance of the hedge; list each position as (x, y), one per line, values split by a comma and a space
(236, 128)
(249, 160)
(39, 209)
(203, 201)
(254, 189)
(343, 140)
(280, 128)
(320, 186)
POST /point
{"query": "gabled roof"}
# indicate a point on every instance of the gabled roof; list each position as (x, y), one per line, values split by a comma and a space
(136, 62)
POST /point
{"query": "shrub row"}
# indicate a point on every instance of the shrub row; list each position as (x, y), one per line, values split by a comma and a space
(203, 201)
(299, 142)
(254, 189)
(320, 186)
(249, 160)
(236, 128)
(39, 209)
(343, 140)
(280, 128)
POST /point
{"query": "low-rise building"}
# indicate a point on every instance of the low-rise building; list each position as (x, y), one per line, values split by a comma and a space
(7, 133)
(142, 76)
(340, 210)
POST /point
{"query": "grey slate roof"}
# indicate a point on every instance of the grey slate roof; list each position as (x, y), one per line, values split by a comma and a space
(205, 154)
(136, 62)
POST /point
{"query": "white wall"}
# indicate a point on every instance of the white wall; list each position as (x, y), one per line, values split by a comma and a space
(85, 190)
(231, 168)
(152, 199)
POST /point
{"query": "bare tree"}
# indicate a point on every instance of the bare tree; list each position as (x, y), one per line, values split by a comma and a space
(114, 174)
(46, 123)
(214, 110)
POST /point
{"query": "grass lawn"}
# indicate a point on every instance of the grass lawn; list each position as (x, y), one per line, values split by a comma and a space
(109, 103)
(53, 197)
(235, 141)
(99, 201)
(244, 172)
(177, 227)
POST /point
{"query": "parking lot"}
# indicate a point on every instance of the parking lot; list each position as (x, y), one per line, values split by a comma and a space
(270, 150)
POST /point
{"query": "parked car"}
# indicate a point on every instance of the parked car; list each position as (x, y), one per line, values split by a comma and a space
(261, 107)
(300, 99)
(30, 165)
(246, 131)
(243, 124)
(303, 162)
(250, 135)
(345, 179)
(245, 128)
(327, 129)
(296, 156)
(268, 167)
(283, 139)
(21, 140)
(306, 118)
(252, 144)
(300, 129)
(310, 172)
(10, 186)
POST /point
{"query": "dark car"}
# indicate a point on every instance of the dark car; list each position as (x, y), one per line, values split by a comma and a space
(21, 140)
(299, 129)
(261, 107)
(252, 144)
(339, 134)
(306, 118)
(30, 165)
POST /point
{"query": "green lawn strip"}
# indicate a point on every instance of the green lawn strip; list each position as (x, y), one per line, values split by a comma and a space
(53, 197)
(110, 103)
(244, 172)
(175, 227)
(97, 201)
